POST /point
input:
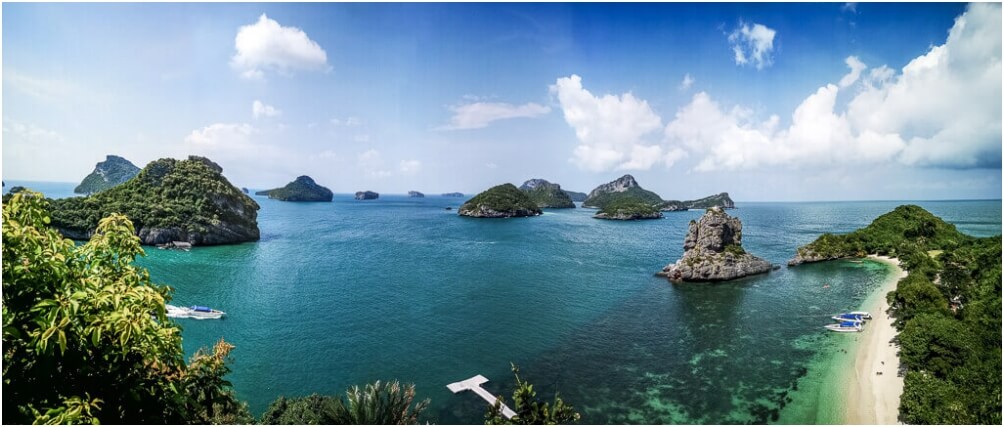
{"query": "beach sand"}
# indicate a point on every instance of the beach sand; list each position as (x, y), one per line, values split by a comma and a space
(874, 398)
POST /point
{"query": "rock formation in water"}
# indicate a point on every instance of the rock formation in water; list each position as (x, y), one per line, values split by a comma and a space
(367, 195)
(414, 193)
(107, 174)
(622, 188)
(721, 200)
(302, 189)
(500, 201)
(546, 194)
(713, 251)
(169, 200)
(453, 194)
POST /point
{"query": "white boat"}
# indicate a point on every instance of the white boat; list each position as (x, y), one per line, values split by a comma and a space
(864, 314)
(194, 312)
(855, 316)
(845, 326)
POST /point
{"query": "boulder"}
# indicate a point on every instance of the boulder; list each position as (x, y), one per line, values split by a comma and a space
(713, 251)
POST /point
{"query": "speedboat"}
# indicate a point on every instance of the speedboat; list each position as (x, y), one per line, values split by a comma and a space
(194, 312)
(853, 316)
(864, 314)
(845, 326)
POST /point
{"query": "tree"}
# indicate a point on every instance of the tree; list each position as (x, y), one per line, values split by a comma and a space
(376, 403)
(529, 409)
(85, 334)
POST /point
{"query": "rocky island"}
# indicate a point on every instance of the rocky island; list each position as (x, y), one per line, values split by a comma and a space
(721, 200)
(619, 189)
(168, 201)
(367, 195)
(302, 189)
(546, 194)
(713, 251)
(453, 194)
(628, 208)
(414, 193)
(500, 201)
(107, 174)
(576, 196)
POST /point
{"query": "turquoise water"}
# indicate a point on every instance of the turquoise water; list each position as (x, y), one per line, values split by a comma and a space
(350, 292)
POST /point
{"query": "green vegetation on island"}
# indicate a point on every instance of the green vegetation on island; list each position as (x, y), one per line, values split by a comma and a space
(721, 200)
(107, 174)
(546, 194)
(367, 195)
(302, 189)
(625, 188)
(500, 201)
(87, 340)
(947, 310)
(169, 200)
(627, 207)
(576, 196)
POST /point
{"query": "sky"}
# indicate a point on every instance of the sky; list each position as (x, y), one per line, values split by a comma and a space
(769, 102)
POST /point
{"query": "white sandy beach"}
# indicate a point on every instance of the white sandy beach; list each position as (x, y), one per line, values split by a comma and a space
(873, 398)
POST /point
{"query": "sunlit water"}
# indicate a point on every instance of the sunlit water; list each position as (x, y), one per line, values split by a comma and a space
(349, 292)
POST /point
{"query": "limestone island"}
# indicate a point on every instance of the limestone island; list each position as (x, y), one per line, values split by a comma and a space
(500, 201)
(302, 189)
(414, 193)
(628, 208)
(168, 201)
(107, 174)
(576, 196)
(453, 194)
(624, 199)
(721, 200)
(546, 194)
(367, 195)
(713, 251)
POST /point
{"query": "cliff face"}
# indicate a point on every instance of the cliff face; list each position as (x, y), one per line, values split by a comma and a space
(617, 190)
(367, 195)
(546, 194)
(169, 200)
(576, 196)
(713, 251)
(302, 189)
(501, 201)
(107, 174)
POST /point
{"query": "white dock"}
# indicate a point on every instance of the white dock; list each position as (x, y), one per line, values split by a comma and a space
(474, 384)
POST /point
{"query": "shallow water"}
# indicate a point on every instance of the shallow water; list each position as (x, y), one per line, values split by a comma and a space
(350, 292)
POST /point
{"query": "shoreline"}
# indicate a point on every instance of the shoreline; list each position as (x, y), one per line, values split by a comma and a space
(873, 398)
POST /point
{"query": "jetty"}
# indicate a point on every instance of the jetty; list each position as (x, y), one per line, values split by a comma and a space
(474, 384)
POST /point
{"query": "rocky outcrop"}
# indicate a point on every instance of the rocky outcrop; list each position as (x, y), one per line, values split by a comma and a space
(546, 194)
(453, 194)
(713, 251)
(169, 200)
(500, 201)
(414, 193)
(619, 189)
(302, 189)
(805, 255)
(107, 174)
(367, 195)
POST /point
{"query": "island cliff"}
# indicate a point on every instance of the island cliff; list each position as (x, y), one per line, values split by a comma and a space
(107, 174)
(576, 196)
(500, 201)
(713, 251)
(414, 193)
(367, 195)
(619, 189)
(546, 194)
(302, 189)
(169, 200)
(721, 200)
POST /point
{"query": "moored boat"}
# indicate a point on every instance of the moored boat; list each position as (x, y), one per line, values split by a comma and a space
(864, 314)
(845, 326)
(194, 312)
(853, 317)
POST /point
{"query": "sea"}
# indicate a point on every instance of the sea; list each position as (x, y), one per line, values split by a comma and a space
(350, 292)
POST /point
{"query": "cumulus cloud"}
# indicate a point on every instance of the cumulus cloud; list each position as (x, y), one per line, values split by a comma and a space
(371, 162)
(686, 83)
(752, 44)
(268, 46)
(856, 67)
(610, 128)
(261, 109)
(477, 115)
(30, 133)
(222, 136)
(943, 109)
(410, 167)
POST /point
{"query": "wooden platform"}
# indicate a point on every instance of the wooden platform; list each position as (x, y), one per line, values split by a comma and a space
(474, 384)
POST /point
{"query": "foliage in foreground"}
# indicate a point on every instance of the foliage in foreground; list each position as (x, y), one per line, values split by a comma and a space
(377, 403)
(529, 409)
(85, 334)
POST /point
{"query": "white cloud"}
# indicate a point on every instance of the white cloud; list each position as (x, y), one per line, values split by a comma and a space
(491, 165)
(686, 83)
(347, 122)
(410, 167)
(477, 115)
(261, 109)
(752, 44)
(371, 162)
(610, 128)
(943, 110)
(41, 88)
(856, 67)
(851, 7)
(221, 137)
(268, 46)
(29, 132)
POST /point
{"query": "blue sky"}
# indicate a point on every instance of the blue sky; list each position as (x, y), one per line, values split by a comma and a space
(765, 101)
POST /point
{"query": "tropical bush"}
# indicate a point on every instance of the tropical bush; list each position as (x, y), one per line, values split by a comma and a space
(377, 403)
(529, 409)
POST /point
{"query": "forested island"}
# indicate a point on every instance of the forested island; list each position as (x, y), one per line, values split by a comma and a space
(947, 311)
(302, 189)
(107, 174)
(169, 200)
(546, 194)
(500, 201)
